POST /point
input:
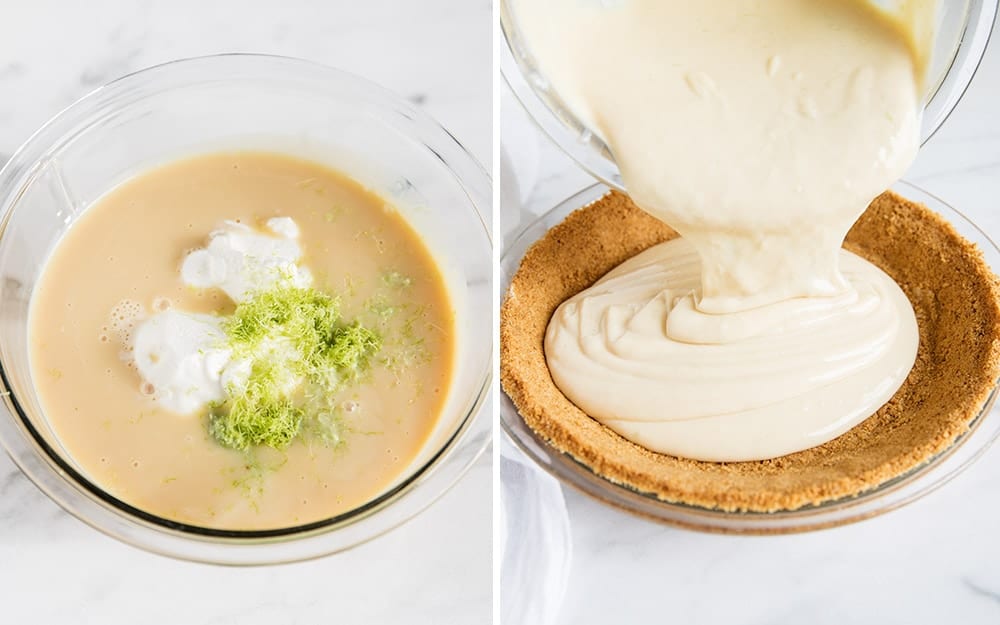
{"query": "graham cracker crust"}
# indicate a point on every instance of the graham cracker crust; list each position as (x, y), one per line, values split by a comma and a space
(954, 294)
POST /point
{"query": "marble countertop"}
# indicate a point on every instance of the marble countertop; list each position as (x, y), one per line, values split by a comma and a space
(934, 561)
(435, 569)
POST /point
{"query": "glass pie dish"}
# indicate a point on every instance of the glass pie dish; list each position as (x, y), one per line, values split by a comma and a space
(983, 428)
(247, 102)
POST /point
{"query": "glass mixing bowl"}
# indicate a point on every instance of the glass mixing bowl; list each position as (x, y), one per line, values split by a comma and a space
(963, 30)
(264, 103)
(888, 496)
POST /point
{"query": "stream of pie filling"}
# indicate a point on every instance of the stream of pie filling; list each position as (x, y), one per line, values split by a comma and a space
(126, 339)
(759, 131)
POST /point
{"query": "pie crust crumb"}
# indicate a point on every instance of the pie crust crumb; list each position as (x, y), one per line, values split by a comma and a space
(954, 294)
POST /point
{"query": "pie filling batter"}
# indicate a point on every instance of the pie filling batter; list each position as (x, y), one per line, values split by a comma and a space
(242, 341)
(759, 131)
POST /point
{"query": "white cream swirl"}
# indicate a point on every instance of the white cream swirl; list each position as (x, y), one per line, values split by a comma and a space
(750, 385)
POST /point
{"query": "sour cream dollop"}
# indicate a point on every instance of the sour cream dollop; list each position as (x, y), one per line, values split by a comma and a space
(239, 259)
(182, 354)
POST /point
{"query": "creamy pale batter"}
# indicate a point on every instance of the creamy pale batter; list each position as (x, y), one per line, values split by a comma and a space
(120, 267)
(760, 131)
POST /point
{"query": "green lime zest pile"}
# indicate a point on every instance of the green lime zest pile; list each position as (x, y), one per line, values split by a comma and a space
(259, 415)
(301, 352)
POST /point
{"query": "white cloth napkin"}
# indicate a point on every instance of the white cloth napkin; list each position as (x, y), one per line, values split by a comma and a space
(534, 541)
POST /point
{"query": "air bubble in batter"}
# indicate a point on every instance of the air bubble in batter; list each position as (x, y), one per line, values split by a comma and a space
(162, 303)
(124, 317)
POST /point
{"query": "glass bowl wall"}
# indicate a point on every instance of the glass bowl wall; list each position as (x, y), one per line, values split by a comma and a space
(963, 30)
(246, 102)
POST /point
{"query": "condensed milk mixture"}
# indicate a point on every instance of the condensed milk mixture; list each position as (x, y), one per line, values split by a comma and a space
(760, 131)
(242, 341)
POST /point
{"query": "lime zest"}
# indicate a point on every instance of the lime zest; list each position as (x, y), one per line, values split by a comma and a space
(301, 353)
(259, 415)
(396, 280)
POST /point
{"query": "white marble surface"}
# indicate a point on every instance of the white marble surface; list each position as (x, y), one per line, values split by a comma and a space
(935, 561)
(437, 568)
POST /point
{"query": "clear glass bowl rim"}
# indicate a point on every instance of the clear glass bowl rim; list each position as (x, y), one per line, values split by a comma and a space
(73, 492)
(567, 132)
